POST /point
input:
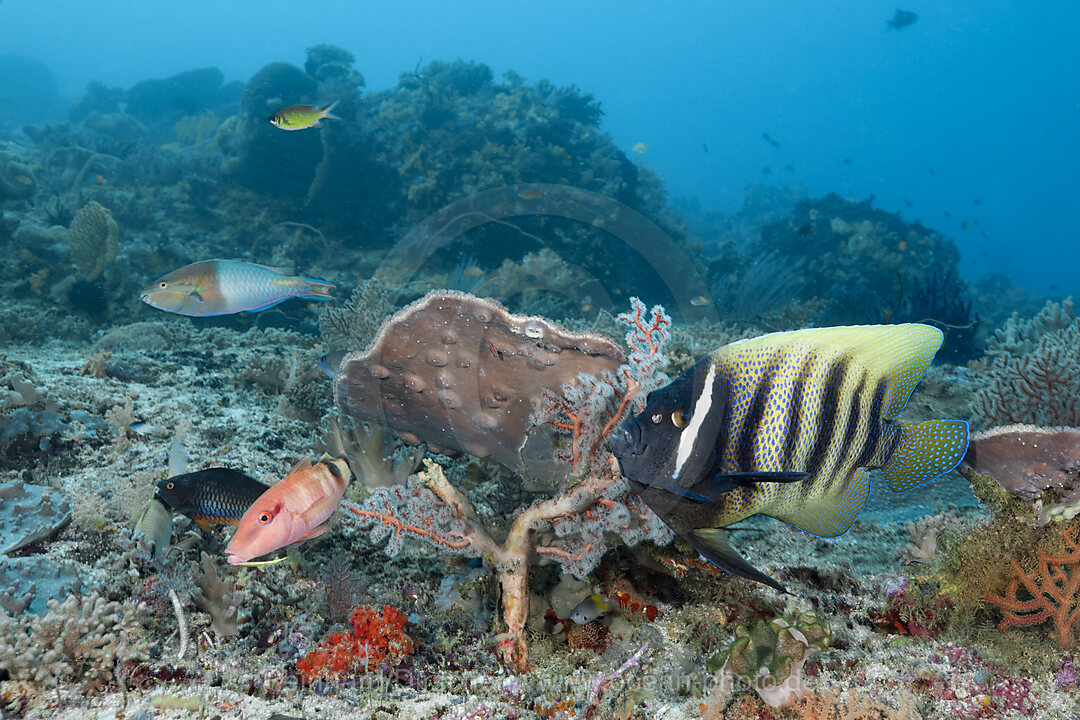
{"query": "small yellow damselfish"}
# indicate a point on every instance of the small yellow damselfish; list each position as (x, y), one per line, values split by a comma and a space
(302, 117)
(787, 425)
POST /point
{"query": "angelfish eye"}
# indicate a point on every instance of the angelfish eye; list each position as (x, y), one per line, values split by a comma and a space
(680, 418)
(657, 419)
(169, 486)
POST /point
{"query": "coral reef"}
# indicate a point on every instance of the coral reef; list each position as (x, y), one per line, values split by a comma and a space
(160, 104)
(850, 243)
(511, 190)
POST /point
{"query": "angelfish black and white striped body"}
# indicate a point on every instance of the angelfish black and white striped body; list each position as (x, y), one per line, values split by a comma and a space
(788, 425)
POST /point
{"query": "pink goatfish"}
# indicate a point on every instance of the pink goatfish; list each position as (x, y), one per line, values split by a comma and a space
(294, 510)
(223, 287)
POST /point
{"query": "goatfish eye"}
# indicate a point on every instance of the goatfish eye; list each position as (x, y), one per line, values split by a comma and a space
(657, 419)
(265, 517)
(680, 418)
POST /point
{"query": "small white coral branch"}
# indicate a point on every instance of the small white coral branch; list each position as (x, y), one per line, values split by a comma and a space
(182, 621)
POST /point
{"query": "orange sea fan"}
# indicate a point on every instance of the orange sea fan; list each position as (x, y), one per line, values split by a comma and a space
(1054, 593)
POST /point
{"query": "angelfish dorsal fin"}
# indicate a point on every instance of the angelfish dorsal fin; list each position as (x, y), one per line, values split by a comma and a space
(899, 353)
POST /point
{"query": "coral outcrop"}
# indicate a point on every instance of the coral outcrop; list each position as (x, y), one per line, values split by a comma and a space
(27, 584)
(16, 179)
(587, 510)
(461, 373)
(1040, 465)
(30, 514)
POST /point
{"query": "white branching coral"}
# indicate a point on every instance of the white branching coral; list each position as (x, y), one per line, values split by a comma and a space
(79, 640)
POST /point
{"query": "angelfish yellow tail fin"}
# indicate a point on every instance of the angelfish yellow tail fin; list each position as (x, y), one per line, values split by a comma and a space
(924, 451)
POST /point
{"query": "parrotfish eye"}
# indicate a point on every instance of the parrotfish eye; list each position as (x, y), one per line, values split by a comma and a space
(680, 418)
(657, 419)
(163, 285)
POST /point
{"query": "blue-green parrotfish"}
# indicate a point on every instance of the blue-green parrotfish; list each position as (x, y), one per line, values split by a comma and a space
(223, 287)
(786, 425)
(302, 117)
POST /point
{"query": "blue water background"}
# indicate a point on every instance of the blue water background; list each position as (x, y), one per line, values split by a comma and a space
(984, 93)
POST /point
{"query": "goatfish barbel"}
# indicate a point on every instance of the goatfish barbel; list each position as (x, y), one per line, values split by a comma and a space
(786, 425)
(214, 496)
(224, 287)
(295, 509)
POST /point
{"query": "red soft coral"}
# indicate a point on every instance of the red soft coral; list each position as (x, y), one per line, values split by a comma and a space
(375, 638)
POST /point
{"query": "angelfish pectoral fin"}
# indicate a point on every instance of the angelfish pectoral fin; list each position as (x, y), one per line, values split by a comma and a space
(714, 547)
(669, 486)
(713, 488)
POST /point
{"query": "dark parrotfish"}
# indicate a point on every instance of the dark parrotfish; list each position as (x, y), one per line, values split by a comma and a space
(787, 425)
(214, 496)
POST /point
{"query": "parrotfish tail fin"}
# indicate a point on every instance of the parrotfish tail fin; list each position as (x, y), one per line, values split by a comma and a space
(925, 450)
(317, 289)
(713, 545)
(830, 515)
(329, 109)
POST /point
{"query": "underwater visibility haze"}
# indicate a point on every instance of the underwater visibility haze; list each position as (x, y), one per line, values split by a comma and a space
(605, 360)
